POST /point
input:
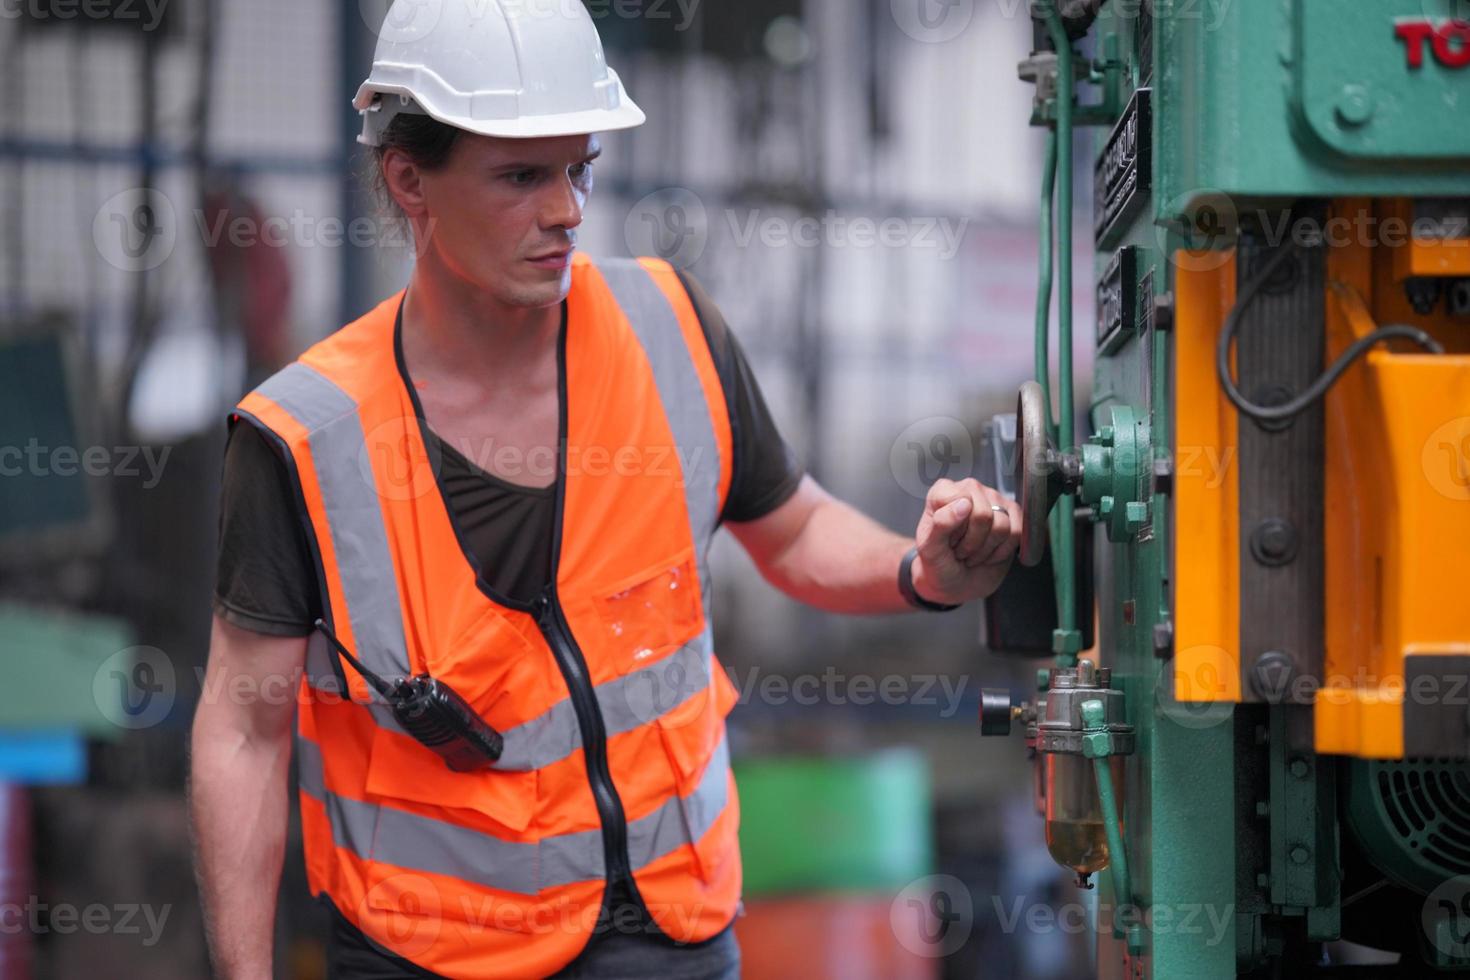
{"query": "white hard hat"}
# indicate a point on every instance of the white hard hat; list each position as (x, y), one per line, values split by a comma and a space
(518, 68)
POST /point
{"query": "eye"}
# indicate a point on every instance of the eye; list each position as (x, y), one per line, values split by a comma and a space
(521, 178)
(579, 170)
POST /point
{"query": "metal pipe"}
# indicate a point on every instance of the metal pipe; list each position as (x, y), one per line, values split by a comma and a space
(1064, 553)
(1093, 720)
(1043, 292)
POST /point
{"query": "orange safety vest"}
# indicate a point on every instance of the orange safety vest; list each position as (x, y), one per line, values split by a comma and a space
(606, 689)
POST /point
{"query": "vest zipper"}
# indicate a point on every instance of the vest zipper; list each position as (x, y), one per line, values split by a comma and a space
(553, 624)
(594, 735)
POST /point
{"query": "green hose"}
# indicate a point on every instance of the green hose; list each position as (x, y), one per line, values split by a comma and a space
(1043, 292)
(1067, 641)
(1125, 914)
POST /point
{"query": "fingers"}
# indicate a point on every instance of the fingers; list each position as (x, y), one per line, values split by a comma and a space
(968, 523)
(1005, 535)
(941, 528)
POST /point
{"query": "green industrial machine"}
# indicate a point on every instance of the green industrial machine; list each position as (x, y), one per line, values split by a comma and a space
(1272, 727)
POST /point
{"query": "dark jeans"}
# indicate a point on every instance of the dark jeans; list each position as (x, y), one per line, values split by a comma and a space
(624, 947)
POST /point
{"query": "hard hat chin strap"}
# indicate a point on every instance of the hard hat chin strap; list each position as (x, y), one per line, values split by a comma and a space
(377, 116)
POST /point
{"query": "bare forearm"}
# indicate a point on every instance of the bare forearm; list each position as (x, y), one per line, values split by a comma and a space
(239, 771)
(239, 805)
(842, 561)
(825, 553)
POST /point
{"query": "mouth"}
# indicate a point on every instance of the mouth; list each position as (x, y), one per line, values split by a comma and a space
(559, 259)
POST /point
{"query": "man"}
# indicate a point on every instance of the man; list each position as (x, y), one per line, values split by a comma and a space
(505, 479)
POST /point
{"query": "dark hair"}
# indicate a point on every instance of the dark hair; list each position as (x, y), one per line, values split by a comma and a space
(425, 140)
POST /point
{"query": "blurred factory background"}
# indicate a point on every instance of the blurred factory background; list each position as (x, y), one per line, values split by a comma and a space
(855, 183)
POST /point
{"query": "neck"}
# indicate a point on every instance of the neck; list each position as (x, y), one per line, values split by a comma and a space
(451, 326)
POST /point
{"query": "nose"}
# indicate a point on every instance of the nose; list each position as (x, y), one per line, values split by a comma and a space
(563, 207)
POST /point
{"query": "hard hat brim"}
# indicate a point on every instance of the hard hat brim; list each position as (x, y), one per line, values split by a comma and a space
(626, 115)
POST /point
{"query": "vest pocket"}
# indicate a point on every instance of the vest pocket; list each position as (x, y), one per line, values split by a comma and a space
(651, 613)
(410, 913)
(402, 769)
(462, 825)
(692, 736)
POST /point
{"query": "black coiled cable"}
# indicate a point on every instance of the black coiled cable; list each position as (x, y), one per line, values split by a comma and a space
(1318, 388)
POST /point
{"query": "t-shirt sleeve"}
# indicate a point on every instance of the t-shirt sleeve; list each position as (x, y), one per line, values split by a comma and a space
(765, 472)
(266, 579)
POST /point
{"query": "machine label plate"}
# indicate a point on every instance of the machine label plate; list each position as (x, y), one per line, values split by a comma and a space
(1122, 176)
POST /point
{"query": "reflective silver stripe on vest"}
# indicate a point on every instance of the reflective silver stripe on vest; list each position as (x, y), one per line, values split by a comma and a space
(356, 835)
(354, 513)
(627, 702)
(679, 388)
(417, 843)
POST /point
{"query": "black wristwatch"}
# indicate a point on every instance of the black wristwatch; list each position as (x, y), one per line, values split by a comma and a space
(906, 586)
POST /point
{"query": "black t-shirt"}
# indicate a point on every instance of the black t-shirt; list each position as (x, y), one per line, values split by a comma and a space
(267, 580)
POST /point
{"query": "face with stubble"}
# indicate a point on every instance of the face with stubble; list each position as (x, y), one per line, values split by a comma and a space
(499, 214)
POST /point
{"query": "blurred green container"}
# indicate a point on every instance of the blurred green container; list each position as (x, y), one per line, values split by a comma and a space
(834, 824)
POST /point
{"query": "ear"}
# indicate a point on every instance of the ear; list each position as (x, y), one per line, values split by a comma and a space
(404, 181)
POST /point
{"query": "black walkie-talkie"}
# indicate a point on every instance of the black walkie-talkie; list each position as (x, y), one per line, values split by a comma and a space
(432, 713)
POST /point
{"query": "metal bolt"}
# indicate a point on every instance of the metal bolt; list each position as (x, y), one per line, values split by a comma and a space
(1164, 639)
(1135, 514)
(1164, 311)
(1354, 106)
(1263, 880)
(1105, 507)
(1274, 542)
(1300, 855)
(1423, 293)
(1263, 809)
(1271, 676)
(1270, 396)
(1459, 297)
(1299, 768)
